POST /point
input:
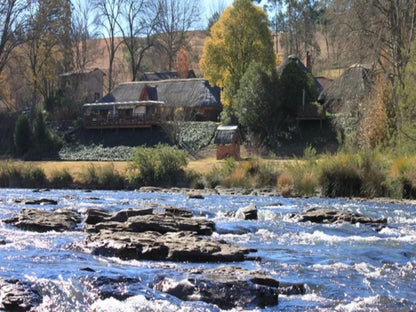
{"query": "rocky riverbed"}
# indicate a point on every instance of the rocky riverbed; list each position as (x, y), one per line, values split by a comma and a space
(185, 250)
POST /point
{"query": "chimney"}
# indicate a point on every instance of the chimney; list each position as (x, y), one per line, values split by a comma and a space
(309, 61)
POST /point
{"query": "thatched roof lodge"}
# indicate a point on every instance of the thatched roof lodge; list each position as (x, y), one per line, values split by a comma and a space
(155, 102)
(157, 76)
(228, 141)
(352, 86)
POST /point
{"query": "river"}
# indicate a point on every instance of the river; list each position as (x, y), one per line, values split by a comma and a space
(344, 267)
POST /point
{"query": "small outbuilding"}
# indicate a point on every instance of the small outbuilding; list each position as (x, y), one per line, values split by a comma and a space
(228, 141)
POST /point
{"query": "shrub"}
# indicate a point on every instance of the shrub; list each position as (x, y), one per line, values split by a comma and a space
(102, 177)
(285, 184)
(109, 178)
(33, 177)
(10, 175)
(340, 178)
(162, 165)
(403, 177)
(61, 179)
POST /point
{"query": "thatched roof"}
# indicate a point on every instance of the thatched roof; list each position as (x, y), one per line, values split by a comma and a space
(292, 58)
(176, 92)
(157, 76)
(353, 85)
(227, 135)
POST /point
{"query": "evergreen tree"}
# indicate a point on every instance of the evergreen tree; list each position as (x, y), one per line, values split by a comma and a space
(22, 135)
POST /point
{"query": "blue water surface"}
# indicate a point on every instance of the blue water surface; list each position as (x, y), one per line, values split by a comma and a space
(344, 267)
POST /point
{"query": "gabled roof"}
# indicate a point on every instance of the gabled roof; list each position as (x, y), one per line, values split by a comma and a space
(227, 135)
(156, 76)
(293, 58)
(178, 92)
(353, 85)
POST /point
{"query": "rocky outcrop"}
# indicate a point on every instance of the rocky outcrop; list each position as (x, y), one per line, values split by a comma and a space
(172, 235)
(38, 220)
(172, 246)
(143, 220)
(247, 213)
(227, 287)
(335, 216)
(17, 296)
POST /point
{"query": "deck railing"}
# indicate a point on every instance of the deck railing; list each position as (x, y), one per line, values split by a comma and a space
(134, 121)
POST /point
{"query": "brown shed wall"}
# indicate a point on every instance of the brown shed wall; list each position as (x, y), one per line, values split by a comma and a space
(229, 150)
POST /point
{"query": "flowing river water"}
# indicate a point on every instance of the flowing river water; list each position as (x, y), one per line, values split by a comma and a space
(344, 267)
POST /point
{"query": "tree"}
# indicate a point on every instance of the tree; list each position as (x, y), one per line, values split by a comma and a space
(296, 21)
(182, 63)
(48, 45)
(138, 25)
(80, 35)
(240, 36)
(257, 104)
(176, 17)
(108, 13)
(298, 88)
(11, 28)
(380, 32)
(22, 135)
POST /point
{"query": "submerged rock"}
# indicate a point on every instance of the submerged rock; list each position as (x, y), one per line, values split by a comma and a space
(38, 220)
(173, 246)
(42, 201)
(247, 213)
(227, 287)
(17, 296)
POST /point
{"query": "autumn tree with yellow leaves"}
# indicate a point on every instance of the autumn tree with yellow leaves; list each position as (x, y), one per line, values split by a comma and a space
(239, 37)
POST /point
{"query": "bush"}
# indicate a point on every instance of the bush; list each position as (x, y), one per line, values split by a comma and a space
(285, 184)
(102, 177)
(341, 180)
(33, 177)
(162, 165)
(61, 179)
(12, 175)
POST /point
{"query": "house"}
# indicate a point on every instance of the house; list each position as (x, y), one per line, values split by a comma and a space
(148, 103)
(228, 141)
(306, 111)
(157, 76)
(84, 86)
(352, 86)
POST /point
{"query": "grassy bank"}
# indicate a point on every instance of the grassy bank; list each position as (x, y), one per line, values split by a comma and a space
(367, 174)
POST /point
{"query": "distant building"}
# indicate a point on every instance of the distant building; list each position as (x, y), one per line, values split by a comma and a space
(147, 103)
(86, 86)
(351, 87)
(228, 141)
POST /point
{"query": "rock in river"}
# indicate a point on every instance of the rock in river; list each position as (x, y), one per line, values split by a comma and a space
(38, 220)
(172, 246)
(227, 287)
(247, 213)
(135, 221)
(335, 216)
(17, 296)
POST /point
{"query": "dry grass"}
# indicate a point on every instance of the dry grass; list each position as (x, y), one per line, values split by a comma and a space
(76, 168)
